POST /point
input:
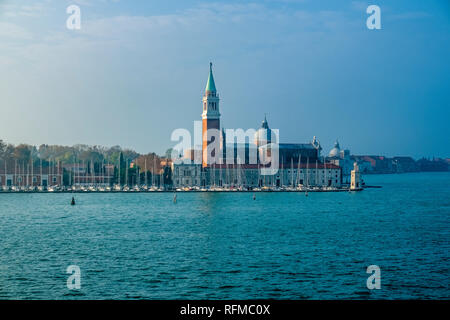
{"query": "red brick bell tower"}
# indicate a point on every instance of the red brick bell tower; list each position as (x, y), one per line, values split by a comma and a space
(210, 116)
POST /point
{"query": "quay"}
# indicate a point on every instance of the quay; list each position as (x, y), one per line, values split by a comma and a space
(143, 190)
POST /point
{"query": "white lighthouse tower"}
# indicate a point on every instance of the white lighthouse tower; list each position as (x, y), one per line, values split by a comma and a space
(355, 182)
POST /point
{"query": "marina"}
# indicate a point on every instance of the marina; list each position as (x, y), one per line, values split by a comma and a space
(151, 190)
(24, 182)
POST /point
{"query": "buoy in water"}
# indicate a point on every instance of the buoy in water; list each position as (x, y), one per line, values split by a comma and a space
(72, 203)
(174, 198)
(254, 196)
(306, 193)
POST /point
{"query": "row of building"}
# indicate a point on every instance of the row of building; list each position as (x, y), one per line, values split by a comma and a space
(30, 175)
(249, 176)
(54, 174)
(220, 163)
(77, 174)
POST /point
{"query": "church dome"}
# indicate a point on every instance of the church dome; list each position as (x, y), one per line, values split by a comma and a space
(335, 151)
(264, 135)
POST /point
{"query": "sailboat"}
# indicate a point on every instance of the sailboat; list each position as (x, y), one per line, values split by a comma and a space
(41, 187)
(292, 173)
(146, 175)
(307, 173)
(118, 187)
(316, 179)
(297, 182)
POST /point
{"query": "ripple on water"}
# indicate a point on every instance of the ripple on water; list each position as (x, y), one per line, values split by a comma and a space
(218, 246)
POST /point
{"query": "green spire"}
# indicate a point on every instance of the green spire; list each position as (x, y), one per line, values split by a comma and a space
(210, 85)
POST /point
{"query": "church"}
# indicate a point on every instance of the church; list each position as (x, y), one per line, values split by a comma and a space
(221, 164)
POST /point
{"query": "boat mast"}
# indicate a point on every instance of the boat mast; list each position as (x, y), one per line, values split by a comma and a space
(146, 175)
(126, 173)
(138, 175)
(307, 172)
(153, 173)
(41, 173)
(32, 171)
(298, 170)
(118, 176)
(317, 173)
(259, 177)
(292, 172)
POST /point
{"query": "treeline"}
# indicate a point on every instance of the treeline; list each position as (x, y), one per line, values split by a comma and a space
(80, 153)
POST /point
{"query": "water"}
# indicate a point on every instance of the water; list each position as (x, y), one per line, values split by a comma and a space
(229, 246)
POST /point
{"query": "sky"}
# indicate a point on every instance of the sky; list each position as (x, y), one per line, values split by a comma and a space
(136, 71)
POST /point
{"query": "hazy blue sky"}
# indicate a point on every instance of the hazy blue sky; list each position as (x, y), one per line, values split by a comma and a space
(137, 70)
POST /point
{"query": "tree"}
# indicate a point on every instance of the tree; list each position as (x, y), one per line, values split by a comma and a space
(167, 176)
(22, 153)
(2, 148)
(152, 161)
(2, 151)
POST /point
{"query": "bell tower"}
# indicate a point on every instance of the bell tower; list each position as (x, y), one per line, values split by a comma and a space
(210, 115)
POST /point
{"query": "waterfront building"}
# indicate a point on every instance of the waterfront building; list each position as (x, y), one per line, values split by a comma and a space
(187, 174)
(378, 164)
(342, 159)
(27, 176)
(299, 164)
(335, 152)
(249, 176)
